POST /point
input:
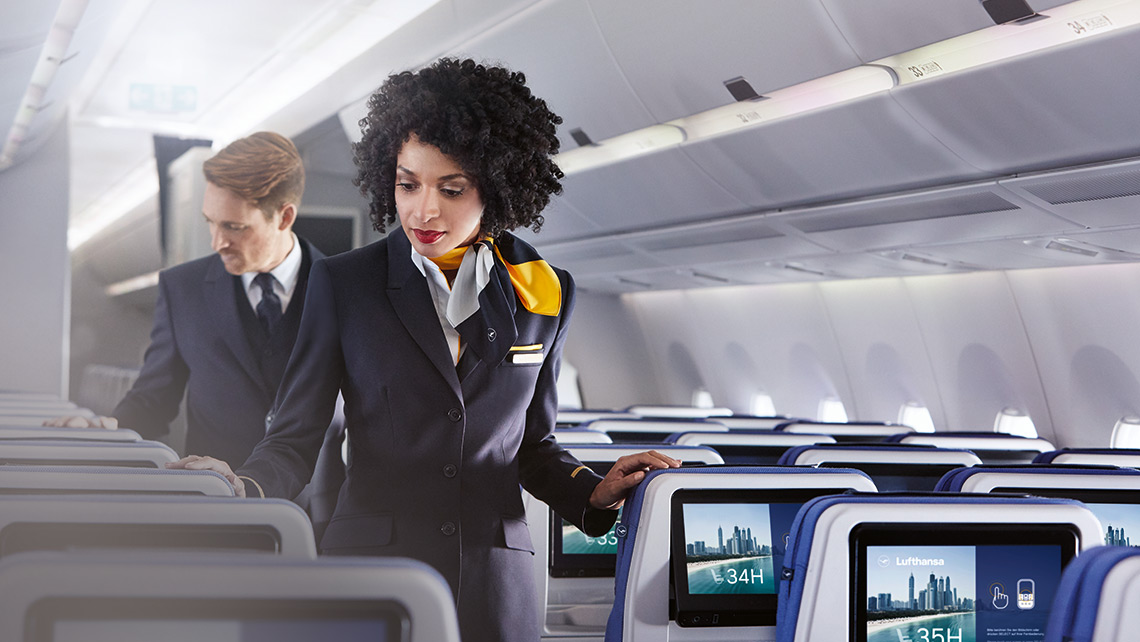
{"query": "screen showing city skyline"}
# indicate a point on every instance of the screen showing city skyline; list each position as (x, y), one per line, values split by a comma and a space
(575, 542)
(959, 593)
(1121, 523)
(728, 548)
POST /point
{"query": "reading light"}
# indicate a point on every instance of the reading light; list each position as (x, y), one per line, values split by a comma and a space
(1061, 246)
(799, 268)
(701, 275)
(622, 279)
(922, 259)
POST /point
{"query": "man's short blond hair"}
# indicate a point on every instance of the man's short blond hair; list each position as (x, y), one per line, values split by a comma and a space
(264, 168)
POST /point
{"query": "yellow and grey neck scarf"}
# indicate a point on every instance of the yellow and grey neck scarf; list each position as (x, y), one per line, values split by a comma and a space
(493, 278)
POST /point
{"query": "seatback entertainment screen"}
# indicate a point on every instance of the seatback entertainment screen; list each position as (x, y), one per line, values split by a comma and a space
(957, 583)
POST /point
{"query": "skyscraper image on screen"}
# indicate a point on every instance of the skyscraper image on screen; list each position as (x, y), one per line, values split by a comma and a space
(914, 592)
(728, 549)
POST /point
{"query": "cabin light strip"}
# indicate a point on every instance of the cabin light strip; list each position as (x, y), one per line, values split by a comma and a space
(133, 284)
(1065, 24)
(53, 55)
(126, 195)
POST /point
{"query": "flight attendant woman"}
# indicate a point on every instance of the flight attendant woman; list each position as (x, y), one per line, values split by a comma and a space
(445, 339)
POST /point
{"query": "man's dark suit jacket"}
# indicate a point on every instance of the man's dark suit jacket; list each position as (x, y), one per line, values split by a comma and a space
(436, 451)
(204, 344)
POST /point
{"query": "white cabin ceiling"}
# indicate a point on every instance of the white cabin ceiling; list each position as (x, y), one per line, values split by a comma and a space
(844, 191)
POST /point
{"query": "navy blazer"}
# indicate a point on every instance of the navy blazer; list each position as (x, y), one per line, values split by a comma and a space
(199, 346)
(436, 451)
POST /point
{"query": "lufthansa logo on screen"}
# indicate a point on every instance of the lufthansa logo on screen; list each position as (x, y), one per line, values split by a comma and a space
(919, 561)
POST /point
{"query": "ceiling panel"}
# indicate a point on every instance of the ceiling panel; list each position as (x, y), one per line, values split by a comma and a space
(731, 241)
(15, 73)
(861, 147)
(649, 191)
(972, 212)
(677, 55)
(613, 261)
(1009, 254)
(102, 157)
(1097, 196)
(586, 88)
(1121, 240)
(25, 25)
(561, 222)
(1061, 106)
(207, 45)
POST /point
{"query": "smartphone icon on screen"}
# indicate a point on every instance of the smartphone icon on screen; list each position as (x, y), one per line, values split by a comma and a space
(1026, 591)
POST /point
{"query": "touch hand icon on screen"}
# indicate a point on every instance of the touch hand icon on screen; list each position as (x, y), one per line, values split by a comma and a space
(1001, 600)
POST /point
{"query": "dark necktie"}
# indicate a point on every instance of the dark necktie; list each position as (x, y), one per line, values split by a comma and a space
(269, 309)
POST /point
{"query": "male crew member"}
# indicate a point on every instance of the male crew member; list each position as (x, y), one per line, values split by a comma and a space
(225, 324)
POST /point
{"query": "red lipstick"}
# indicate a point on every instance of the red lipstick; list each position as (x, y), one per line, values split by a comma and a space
(427, 237)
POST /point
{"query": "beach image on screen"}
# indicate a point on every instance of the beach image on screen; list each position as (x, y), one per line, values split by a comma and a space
(728, 548)
(1121, 523)
(575, 542)
(920, 593)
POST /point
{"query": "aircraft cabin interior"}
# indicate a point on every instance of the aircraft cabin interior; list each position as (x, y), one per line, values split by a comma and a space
(870, 269)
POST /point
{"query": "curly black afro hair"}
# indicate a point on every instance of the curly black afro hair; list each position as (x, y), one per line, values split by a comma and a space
(483, 117)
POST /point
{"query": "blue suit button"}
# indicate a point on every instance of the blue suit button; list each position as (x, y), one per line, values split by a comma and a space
(455, 414)
(450, 470)
(448, 528)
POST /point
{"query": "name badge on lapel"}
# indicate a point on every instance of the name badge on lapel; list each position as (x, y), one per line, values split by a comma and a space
(526, 355)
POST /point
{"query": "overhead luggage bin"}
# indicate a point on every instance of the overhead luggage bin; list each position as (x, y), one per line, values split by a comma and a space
(849, 551)
(1015, 98)
(666, 522)
(45, 433)
(139, 454)
(110, 480)
(185, 597)
(183, 523)
(991, 448)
